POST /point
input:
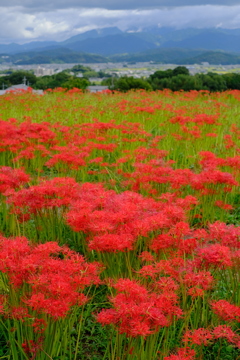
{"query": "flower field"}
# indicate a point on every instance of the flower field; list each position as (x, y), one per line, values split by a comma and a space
(119, 225)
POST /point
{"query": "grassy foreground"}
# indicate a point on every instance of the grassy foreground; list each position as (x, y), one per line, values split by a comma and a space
(119, 231)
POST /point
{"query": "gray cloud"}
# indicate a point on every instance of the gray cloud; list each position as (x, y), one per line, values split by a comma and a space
(46, 5)
(18, 25)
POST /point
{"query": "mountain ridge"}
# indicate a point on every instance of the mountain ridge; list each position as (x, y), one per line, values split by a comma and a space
(110, 44)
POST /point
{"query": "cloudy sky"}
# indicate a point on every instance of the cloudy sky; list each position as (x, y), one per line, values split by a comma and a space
(29, 20)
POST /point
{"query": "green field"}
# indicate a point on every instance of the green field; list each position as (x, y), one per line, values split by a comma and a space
(119, 230)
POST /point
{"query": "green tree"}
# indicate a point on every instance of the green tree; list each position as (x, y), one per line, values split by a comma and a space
(43, 82)
(4, 82)
(80, 68)
(17, 78)
(74, 82)
(109, 82)
(213, 82)
(61, 77)
(161, 74)
(180, 70)
(53, 81)
(128, 83)
(232, 81)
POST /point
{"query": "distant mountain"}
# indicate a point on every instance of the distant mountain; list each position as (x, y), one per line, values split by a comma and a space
(92, 34)
(180, 57)
(112, 44)
(10, 48)
(169, 33)
(37, 45)
(158, 55)
(58, 56)
(165, 45)
(208, 40)
(154, 39)
(16, 48)
(214, 58)
(163, 56)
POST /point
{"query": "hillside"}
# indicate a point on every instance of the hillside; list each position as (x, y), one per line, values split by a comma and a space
(209, 40)
(58, 56)
(112, 44)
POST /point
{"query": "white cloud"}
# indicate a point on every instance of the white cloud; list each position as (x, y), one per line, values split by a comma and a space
(20, 26)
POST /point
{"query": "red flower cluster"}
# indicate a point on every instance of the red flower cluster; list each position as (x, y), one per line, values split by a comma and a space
(205, 337)
(215, 255)
(226, 311)
(115, 221)
(49, 194)
(185, 353)
(139, 312)
(56, 277)
(199, 336)
(11, 179)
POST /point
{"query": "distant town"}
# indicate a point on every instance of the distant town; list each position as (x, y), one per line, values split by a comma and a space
(136, 70)
(122, 76)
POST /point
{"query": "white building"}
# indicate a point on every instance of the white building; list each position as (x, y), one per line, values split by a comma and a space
(39, 71)
(96, 88)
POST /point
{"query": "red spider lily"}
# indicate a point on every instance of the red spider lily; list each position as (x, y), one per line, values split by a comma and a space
(195, 292)
(179, 237)
(162, 241)
(207, 177)
(53, 193)
(19, 313)
(71, 155)
(56, 276)
(199, 336)
(199, 119)
(215, 255)
(213, 135)
(233, 162)
(202, 279)
(229, 143)
(172, 267)
(139, 312)
(146, 256)
(118, 219)
(12, 178)
(227, 235)
(208, 160)
(226, 311)
(39, 325)
(223, 205)
(185, 353)
(111, 242)
(31, 348)
(3, 300)
(25, 136)
(166, 284)
(225, 332)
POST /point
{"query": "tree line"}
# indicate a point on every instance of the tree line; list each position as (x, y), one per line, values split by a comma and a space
(173, 79)
(180, 79)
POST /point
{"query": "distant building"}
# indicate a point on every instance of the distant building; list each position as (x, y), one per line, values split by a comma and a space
(19, 88)
(39, 71)
(96, 88)
(95, 79)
